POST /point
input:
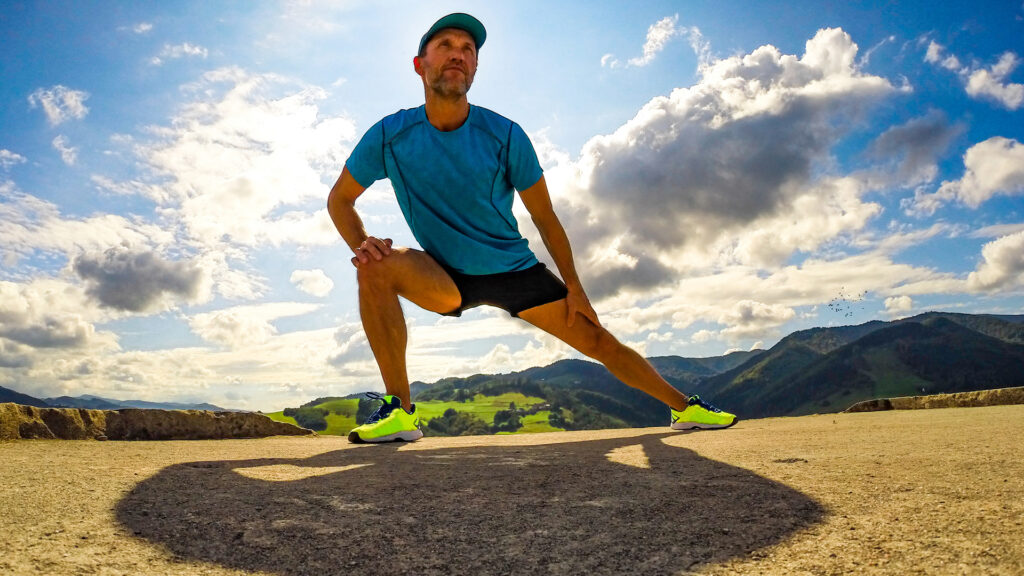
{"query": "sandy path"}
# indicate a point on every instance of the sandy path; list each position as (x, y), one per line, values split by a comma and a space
(931, 491)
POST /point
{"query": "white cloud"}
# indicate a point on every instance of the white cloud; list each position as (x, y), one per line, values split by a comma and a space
(244, 151)
(658, 36)
(980, 82)
(752, 319)
(312, 282)
(60, 103)
(9, 159)
(123, 278)
(735, 169)
(175, 52)
(243, 326)
(1002, 265)
(36, 227)
(142, 27)
(68, 154)
(898, 305)
(993, 167)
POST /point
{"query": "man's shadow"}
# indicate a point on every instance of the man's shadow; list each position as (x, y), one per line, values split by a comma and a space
(566, 508)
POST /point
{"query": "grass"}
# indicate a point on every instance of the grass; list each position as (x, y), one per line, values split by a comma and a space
(342, 419)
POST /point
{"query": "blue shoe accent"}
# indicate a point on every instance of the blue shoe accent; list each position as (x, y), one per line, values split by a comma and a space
(385, 408)
(696, 401)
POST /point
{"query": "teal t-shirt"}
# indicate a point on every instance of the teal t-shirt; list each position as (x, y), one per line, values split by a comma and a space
(455, 188)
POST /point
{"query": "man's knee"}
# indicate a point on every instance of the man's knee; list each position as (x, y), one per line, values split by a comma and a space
(602, 345)
(375, 274)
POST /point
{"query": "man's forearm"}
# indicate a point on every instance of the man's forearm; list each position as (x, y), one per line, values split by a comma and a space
(348, 222)
(557, 243)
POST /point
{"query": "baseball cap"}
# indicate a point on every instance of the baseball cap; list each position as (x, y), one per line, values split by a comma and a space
(460, 21)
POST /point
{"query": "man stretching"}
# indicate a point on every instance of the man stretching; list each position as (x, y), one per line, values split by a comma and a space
(455, 168)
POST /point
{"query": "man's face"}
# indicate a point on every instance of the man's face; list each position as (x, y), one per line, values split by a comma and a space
(448, 64)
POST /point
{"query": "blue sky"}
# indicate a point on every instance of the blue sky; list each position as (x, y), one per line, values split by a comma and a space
(728, 172)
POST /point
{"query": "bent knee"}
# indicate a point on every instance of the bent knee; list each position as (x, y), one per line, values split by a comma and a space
(375, 273)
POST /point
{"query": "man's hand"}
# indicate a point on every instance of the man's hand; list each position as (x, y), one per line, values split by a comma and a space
(372, 247)
(577, 301)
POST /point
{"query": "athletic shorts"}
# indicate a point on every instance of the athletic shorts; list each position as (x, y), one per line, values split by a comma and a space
(513, 292)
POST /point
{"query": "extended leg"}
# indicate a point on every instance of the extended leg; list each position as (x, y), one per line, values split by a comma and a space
(415, 276)
(596, 342)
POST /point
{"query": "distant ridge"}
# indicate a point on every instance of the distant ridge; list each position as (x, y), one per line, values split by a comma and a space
(92, 402)
(819, 370)
(8, 395)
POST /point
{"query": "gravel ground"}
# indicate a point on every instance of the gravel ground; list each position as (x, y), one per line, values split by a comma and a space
(929, 491)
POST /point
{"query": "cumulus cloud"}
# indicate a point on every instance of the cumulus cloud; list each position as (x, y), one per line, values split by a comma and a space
(751, 319)
(993, 167)
(312, 282)
(142, 27)
(353, 349)
(248, 148)
(243, 326)
(9, 159)
(175, 52)
(1002, 265)
(989, 83)
(68, 154)
(912, 149)
(897, 305)
(658, 36)
(33, 226)
(43, 314)
(732, 169)
(60, 103)
(139, 281)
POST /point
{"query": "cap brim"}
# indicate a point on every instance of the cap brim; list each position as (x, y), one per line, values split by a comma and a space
(460, 21)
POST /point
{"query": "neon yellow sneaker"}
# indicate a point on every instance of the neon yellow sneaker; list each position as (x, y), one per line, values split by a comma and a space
(389, 423)
(701, 415)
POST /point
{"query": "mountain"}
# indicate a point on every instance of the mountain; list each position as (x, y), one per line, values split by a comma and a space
(92, 402)
(586, 389)
(828, 369)
(8, 395)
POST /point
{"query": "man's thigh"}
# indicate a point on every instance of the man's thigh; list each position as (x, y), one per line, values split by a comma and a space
(416, 276)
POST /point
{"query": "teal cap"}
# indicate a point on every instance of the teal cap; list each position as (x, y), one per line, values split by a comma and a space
(460, 21)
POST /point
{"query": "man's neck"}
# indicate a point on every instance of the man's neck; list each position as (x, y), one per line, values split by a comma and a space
(446, 114)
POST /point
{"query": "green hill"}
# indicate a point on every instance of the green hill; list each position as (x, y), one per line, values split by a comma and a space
(815, 370)
(828, 369)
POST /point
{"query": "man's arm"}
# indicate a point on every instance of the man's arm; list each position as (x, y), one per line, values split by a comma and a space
(341, 205)
(538, 204)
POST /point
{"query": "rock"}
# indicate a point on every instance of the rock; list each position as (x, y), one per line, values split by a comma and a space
(17, 421)
(997, 397)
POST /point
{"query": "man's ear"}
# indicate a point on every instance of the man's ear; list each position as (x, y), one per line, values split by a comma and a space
(417, 65)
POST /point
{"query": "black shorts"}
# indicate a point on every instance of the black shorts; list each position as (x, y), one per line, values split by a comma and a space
(513, 292)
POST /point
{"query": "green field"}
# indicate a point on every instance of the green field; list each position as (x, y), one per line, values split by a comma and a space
(342, 419)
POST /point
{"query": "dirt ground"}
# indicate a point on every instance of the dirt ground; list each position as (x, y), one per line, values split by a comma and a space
(902, 492)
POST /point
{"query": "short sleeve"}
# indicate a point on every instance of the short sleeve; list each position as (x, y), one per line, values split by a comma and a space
(523, 167)
(366, 163)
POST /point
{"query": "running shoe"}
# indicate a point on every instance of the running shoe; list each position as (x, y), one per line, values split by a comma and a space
(701, 415)
(389, 423)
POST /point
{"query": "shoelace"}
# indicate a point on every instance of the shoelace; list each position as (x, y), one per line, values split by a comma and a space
(696, 401)
(382, 411)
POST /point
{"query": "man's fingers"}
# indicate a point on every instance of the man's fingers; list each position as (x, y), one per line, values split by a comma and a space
(375, 248)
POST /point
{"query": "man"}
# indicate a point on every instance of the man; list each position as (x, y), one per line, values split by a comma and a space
(454, 168)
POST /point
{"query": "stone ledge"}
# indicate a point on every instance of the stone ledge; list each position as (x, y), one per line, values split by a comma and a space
(979, 398)
(24, 422)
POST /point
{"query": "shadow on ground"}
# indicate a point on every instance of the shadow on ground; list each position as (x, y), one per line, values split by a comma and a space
(552, 509)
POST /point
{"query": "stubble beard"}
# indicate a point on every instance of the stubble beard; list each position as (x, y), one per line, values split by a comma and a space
(450, 89)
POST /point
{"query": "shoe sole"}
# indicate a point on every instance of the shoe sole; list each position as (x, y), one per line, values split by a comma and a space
(697, 426)
(403, 436)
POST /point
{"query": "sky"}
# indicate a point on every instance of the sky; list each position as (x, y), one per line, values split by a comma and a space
(728, 172)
